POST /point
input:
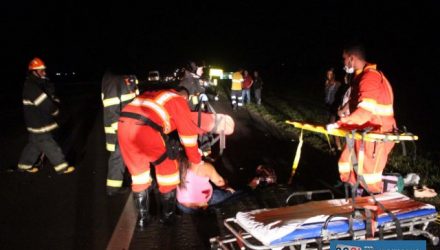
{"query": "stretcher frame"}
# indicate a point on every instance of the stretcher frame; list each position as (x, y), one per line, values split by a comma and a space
(205, 106)
(239, 238)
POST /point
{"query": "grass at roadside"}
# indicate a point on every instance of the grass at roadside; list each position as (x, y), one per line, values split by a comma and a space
(276, 110)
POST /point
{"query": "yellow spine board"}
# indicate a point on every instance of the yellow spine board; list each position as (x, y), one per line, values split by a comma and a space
(372, 137)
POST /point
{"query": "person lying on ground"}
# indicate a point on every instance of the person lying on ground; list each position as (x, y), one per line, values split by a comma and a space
(195, 192)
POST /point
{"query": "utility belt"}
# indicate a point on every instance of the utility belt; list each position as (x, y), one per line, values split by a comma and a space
(172, 145)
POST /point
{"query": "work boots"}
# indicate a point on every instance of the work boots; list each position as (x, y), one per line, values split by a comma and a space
(168, 204)
(141, 200)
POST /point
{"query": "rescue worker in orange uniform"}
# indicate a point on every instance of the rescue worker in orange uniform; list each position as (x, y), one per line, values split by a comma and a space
(144, 130)
(371, 106)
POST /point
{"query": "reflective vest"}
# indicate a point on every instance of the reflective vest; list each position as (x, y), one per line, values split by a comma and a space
(170, 111)
(237, 80)
(371, 102)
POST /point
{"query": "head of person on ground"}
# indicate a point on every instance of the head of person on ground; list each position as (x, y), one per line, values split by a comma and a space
(195, 191)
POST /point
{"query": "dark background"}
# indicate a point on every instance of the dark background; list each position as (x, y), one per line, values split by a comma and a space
(292, 43)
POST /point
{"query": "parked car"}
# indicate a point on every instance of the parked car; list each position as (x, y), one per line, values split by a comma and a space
(153, 76)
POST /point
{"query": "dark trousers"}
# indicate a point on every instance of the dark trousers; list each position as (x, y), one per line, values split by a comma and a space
(236, 98)
(257, 93)
(116, 168)
(37, 144)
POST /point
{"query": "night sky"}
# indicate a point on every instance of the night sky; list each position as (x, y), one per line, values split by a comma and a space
(299, 38)
(78, 34)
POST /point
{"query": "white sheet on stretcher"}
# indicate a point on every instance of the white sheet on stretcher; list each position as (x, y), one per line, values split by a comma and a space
(273, 231)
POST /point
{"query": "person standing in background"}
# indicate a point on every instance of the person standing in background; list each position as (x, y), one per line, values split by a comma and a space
(246, 87)
(258, 86)
(236, 88)
(331, 100)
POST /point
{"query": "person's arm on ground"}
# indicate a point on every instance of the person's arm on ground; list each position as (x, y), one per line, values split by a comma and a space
(215, 178)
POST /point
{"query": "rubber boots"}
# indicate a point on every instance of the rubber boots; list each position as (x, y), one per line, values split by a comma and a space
(168, 204)
(141, 201)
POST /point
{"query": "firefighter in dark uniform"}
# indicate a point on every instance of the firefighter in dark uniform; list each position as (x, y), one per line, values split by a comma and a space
(116, 91)
(40, 108)
(190, 80)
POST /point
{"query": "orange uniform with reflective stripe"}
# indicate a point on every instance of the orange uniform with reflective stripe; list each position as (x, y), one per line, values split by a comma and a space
(140, 144)
(371, 105)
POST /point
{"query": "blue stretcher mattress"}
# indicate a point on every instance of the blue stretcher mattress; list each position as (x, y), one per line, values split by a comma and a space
(305, 221)
(310, 231)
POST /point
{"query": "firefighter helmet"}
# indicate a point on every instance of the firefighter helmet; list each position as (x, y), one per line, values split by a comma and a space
(36, 63)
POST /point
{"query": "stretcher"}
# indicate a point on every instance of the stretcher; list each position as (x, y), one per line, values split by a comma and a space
(313, 224)
(344, 132)
(347, 132)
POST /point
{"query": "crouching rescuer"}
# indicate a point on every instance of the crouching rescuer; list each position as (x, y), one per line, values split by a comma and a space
(144, 130)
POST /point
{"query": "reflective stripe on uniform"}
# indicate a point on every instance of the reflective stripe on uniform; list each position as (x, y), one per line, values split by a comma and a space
(140, 179)
(111, 101)
(344, 167)
(110, 147)
(40, 99)
(375, 108)
(24, 166)
(115, 126)
(164, 97)
(128, 97)
(384, 110)
(61, 166)
(56, 112)
(168, 180)
(27, 102)
(158, 109)
(43, 129)
(114, 183)
(194, 99)
(109, 130)
(188, 141)
(372, 178)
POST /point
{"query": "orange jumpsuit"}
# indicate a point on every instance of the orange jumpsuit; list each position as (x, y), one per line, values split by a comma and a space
(371, 105)
(141, 144)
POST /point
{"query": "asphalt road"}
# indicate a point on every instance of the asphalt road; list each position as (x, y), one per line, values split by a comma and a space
(47, 211)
